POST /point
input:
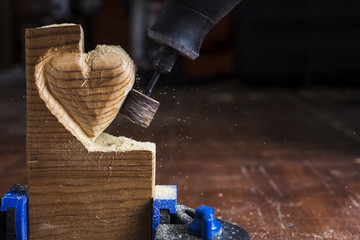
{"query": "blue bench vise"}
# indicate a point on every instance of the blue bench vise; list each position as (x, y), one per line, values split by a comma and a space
(13, 213)
(172, 221)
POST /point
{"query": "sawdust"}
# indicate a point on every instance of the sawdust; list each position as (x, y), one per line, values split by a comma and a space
(102, 49)
(108, 143)
(165, 192)
(58, 25)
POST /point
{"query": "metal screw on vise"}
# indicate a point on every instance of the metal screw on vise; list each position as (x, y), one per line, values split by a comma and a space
(205, 224)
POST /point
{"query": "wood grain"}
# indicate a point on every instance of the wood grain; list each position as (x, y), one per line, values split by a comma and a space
(73, 193)
(85, 90)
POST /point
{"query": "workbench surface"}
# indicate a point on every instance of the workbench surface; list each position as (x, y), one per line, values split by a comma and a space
(281, 163)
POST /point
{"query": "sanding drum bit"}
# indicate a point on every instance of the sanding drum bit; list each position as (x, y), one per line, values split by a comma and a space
(139, 107)
(181, 28)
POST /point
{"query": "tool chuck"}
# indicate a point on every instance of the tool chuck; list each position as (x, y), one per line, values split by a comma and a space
(180, 29)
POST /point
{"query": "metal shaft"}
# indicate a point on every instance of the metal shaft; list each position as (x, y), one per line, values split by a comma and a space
(152, 83)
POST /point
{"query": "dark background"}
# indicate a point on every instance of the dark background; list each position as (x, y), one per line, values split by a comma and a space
(264, 126)
(260, 43)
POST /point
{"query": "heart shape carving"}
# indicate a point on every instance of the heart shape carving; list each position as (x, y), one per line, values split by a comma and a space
(85, 90)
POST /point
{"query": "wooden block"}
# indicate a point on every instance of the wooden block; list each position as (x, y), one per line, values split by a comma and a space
(75, 193)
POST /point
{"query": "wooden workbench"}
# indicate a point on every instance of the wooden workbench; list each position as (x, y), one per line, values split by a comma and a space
(283, 164)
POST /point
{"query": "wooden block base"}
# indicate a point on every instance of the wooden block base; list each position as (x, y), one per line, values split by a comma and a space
(74, 193)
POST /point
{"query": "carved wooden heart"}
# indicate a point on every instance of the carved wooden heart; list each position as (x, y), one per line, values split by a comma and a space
(85, 91)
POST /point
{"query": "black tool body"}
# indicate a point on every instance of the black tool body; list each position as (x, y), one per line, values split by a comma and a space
(184, 24)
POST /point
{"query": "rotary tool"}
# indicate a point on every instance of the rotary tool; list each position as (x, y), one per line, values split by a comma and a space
(180, 29)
